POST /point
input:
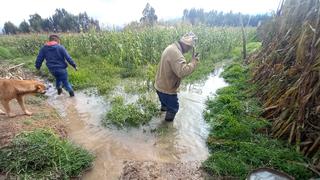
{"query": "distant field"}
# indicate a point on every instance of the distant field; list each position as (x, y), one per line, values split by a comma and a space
(104, 57)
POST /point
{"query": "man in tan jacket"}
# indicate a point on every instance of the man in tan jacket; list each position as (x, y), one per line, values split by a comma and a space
(172, 68)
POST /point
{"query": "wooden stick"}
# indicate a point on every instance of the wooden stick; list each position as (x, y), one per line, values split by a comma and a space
(292, 132)
(314, 146)
(21, 64)
(307, 166)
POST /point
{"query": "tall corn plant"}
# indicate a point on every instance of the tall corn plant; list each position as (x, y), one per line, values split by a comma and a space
(131, 46)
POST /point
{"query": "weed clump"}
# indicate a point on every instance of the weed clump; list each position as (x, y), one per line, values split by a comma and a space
(134, 114)
(43, 155)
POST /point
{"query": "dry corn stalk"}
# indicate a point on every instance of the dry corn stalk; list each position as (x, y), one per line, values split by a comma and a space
(12, 72)
(287, 72)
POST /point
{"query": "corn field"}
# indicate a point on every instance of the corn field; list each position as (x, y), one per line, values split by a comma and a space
(131, 46)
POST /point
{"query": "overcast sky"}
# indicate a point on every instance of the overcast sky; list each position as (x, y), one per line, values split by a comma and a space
(120, 12)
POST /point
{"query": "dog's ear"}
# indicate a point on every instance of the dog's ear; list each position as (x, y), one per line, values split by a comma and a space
(40, 86)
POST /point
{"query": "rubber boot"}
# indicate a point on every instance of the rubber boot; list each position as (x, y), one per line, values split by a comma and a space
(59, 91)
(163, 108)
(169, 116)
(71, 93)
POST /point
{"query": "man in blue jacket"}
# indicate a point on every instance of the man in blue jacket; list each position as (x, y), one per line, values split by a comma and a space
(56, 60)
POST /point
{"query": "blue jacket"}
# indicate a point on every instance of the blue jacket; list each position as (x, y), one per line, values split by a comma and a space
(55, 55)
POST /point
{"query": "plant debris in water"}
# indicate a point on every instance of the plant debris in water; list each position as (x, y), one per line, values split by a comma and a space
(134, 114)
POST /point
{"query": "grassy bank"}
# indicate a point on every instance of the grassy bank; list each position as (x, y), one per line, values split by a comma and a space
(42, 155)
(239, 140)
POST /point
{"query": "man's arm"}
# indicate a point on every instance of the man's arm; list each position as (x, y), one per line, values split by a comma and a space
(181, 68)
(39, 59)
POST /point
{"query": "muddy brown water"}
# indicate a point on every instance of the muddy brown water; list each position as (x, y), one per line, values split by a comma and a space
(183, 140)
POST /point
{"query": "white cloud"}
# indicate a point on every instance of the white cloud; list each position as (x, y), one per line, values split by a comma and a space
(124, 11)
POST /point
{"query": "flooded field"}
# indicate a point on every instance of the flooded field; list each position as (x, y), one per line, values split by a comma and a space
(184, 140)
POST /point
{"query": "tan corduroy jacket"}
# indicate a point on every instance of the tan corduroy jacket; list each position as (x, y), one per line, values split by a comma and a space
(172, 68)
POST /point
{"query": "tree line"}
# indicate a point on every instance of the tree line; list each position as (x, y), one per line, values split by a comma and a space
(198, 16)
(60, 21)
(63, 21)
(215, 18)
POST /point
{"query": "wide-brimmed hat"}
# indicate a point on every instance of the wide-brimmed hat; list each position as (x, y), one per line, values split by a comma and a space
(189, 39)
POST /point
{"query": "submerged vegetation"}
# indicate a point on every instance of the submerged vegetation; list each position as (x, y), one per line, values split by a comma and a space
(133, 114)
(239, 141)
(43, 155)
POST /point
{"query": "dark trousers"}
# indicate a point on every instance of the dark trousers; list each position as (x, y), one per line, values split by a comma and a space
(169, 101)
(61, 76)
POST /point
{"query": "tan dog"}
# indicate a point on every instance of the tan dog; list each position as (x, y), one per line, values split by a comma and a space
(16, 89)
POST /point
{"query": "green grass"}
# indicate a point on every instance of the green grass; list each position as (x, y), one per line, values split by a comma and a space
(251, 47)
(5, 53)
(131, 115)
(94, 71)
(235, 144)
(43, 155)
(137, 87)
(238, 158)
(204, 67)
(8, 52)
(235, 74)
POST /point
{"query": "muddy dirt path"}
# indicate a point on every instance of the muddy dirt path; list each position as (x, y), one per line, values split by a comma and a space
(161, 142)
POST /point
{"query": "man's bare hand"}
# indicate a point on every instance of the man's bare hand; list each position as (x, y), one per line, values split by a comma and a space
(196, 56)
